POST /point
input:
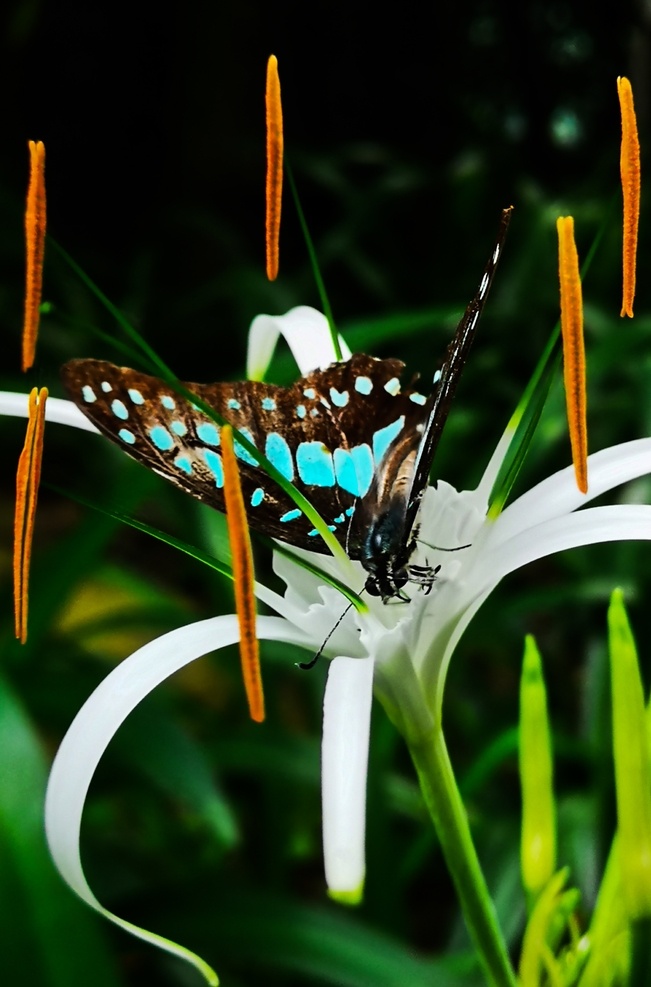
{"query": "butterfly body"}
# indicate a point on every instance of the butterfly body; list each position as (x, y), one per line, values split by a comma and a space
(349, 437)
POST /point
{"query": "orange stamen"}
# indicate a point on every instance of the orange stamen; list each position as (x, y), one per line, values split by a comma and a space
(243, 575)
(629, 165)
(573, 348)
(274, 166)
(27, 480)
(35, 218)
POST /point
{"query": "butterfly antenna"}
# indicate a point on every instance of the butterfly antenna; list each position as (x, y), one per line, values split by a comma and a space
(439, 548)
(307, 665)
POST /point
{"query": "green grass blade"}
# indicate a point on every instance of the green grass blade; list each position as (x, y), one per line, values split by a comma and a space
(323, 295)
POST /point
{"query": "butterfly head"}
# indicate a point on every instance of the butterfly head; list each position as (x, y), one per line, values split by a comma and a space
(385, 554)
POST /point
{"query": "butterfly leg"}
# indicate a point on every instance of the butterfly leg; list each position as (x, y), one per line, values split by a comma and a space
(424, 576)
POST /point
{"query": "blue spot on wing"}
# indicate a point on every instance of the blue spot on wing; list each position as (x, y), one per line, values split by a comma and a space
(268, 404)
(207, 432)
(241, 452)
(279, 454)
(214, 464)
(184, 463)
(364, 467)
(345, 472)
(127, 436)
(106, 387)
(291, 515)
(418, 398)
(161, 438)
(339, 398)
(168, 402)
(257, 497)
(119, 409)
(178, 427)
(233, 404)
(364, 385)
(354, 469)
(136, 396)
(300, 410)
(314, 464)
(313, 533)
(383, 438)
(88, 394)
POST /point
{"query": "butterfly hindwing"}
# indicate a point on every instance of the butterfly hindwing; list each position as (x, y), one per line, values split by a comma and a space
(327, 434)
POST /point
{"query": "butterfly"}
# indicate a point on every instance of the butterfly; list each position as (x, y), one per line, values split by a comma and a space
(356, 443)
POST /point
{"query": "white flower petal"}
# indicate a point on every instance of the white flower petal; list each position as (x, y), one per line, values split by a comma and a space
(307, 333)
(344, 762)
(97, 722)
(558, 494)
(624, 522)
(56, 410)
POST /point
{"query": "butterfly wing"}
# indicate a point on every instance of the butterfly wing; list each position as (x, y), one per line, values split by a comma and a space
(358, 446)
(388, 514)
(448, 377)
(326, 433)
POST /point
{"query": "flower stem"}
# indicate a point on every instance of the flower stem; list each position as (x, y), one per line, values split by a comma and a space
(444, 804)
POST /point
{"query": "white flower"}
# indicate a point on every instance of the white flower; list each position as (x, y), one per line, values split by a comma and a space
(398, 651)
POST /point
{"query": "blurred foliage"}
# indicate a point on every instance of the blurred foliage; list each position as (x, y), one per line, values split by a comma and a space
(406, 141)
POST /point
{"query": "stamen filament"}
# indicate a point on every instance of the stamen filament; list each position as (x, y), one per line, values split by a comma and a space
(243, 577)
(573, 348)
(35, 221)
(28, 477)
(629, 164)
(274, 166)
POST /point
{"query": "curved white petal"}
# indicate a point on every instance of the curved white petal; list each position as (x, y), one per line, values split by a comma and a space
(308, 336)
(344, 762)
(97, 722)
(624, 522)
(558, 494)
(56, 410)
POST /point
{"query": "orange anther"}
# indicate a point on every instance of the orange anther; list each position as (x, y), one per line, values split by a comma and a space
(27, 480)
(35, 219)
(243, 576)
(573, 348)
(629, 164)
(274, 166)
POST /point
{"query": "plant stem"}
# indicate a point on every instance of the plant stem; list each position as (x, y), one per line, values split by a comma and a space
(444, 804)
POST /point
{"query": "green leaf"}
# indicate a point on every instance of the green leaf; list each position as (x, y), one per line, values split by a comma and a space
(632, 767)
(538, 839)
(536, 954)
(170, 758)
